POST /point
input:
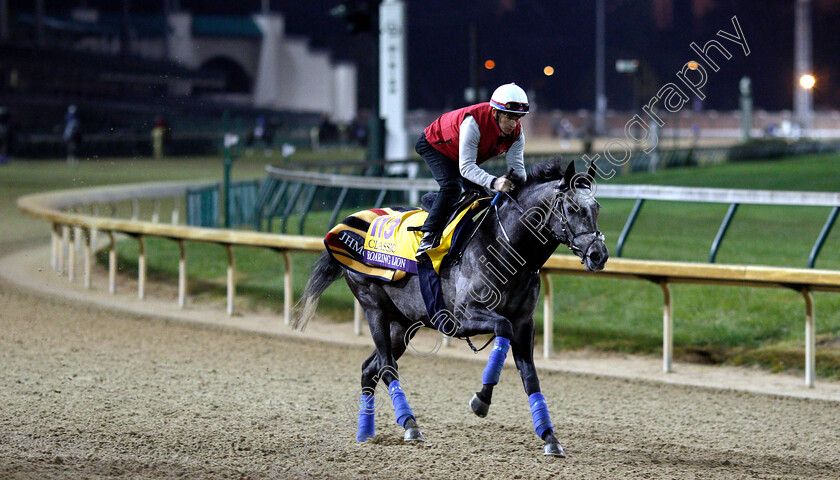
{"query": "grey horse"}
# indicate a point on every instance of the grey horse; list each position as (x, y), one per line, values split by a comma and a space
(492, 289)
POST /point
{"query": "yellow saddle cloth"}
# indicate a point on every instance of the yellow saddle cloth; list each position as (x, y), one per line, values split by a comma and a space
(390, 243)
(377, 242)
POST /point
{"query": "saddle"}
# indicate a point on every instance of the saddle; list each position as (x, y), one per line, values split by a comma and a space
(381, 243)
(467, 198)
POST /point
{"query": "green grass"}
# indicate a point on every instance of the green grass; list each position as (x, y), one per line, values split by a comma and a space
(712, 323)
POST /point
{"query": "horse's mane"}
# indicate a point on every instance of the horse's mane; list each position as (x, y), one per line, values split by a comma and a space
(551, 171)
(546, 171)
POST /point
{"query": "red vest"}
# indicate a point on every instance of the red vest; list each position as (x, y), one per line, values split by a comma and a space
(443, 133)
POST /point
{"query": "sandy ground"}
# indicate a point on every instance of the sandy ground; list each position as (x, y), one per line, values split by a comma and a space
(95, 386)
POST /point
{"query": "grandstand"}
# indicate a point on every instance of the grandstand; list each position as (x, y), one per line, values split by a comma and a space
(121, 92)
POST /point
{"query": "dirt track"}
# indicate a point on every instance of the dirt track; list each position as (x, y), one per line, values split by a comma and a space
(96, 394)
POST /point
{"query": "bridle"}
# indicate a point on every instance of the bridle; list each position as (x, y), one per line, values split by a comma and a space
(557, 207)
(569, 233)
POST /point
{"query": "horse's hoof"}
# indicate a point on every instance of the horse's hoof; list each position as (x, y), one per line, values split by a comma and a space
(553, 449)
(480, 408)
(413, 435)
(363, 436)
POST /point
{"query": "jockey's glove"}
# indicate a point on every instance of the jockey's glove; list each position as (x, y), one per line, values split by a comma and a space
(502, 184)
(517, 179)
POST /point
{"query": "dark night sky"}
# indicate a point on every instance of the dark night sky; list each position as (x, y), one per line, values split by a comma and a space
(534, 33)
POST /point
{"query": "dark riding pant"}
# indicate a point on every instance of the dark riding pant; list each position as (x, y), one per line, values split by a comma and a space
(446, 173)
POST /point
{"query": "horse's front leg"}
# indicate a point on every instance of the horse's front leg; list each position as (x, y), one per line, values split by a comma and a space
(480, 402)
(480, 322)
(523, 355)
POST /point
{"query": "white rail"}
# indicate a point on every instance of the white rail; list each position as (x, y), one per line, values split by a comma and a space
(49, 206)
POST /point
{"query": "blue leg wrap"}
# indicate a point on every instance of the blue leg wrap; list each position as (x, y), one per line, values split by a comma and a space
(539, 413)
(366, 417)
(493, 370)
(401, 409)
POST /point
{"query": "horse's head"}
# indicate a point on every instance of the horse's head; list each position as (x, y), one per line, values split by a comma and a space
(578, 210)
(569, 212)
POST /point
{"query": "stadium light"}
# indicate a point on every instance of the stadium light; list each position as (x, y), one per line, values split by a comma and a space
(489, 64)
(548, 70)
(807, 81)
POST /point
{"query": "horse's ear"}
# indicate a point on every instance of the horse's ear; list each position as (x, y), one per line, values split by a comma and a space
(569, 175)
(591, 172)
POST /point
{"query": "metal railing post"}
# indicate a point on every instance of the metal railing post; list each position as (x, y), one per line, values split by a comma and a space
(357, 317)
(231, 285)
(88, 239)
(182, 274)
(288, 294)
(724, 226)
(290, 205)
(176, 210)
(667, 329)
(380, 199)
(832, 217)
(548, 315)
(141, 268)
(156, 211)
(628, 225)
(71, 254)
(274, 204)
(94, 232)
(810, 338)
(334, 215)
(56, 245)
(112, 263)
(307, 205)
(77, 238)
(65, 241)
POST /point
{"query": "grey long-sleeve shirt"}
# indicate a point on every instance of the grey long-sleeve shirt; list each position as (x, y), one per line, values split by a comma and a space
(468, 154)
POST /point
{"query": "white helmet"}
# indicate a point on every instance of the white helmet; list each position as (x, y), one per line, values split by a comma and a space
(510, 98)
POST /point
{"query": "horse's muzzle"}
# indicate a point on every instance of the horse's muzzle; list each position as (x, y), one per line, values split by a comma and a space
(596, 256)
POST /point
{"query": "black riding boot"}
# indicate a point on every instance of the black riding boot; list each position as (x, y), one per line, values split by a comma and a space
(429, 241)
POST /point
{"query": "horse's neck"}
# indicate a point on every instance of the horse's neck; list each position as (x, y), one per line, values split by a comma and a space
(526, 250)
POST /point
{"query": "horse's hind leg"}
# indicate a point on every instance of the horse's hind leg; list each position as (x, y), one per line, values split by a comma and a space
(371, 373)
(366, 404)
(382, 364)
(398, 346)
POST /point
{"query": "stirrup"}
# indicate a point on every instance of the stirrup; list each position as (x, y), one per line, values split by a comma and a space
(429, 241)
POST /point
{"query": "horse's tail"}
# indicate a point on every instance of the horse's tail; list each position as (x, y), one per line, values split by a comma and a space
(325, 271)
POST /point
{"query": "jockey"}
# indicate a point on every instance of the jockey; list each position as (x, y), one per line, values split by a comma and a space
(457, 142)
